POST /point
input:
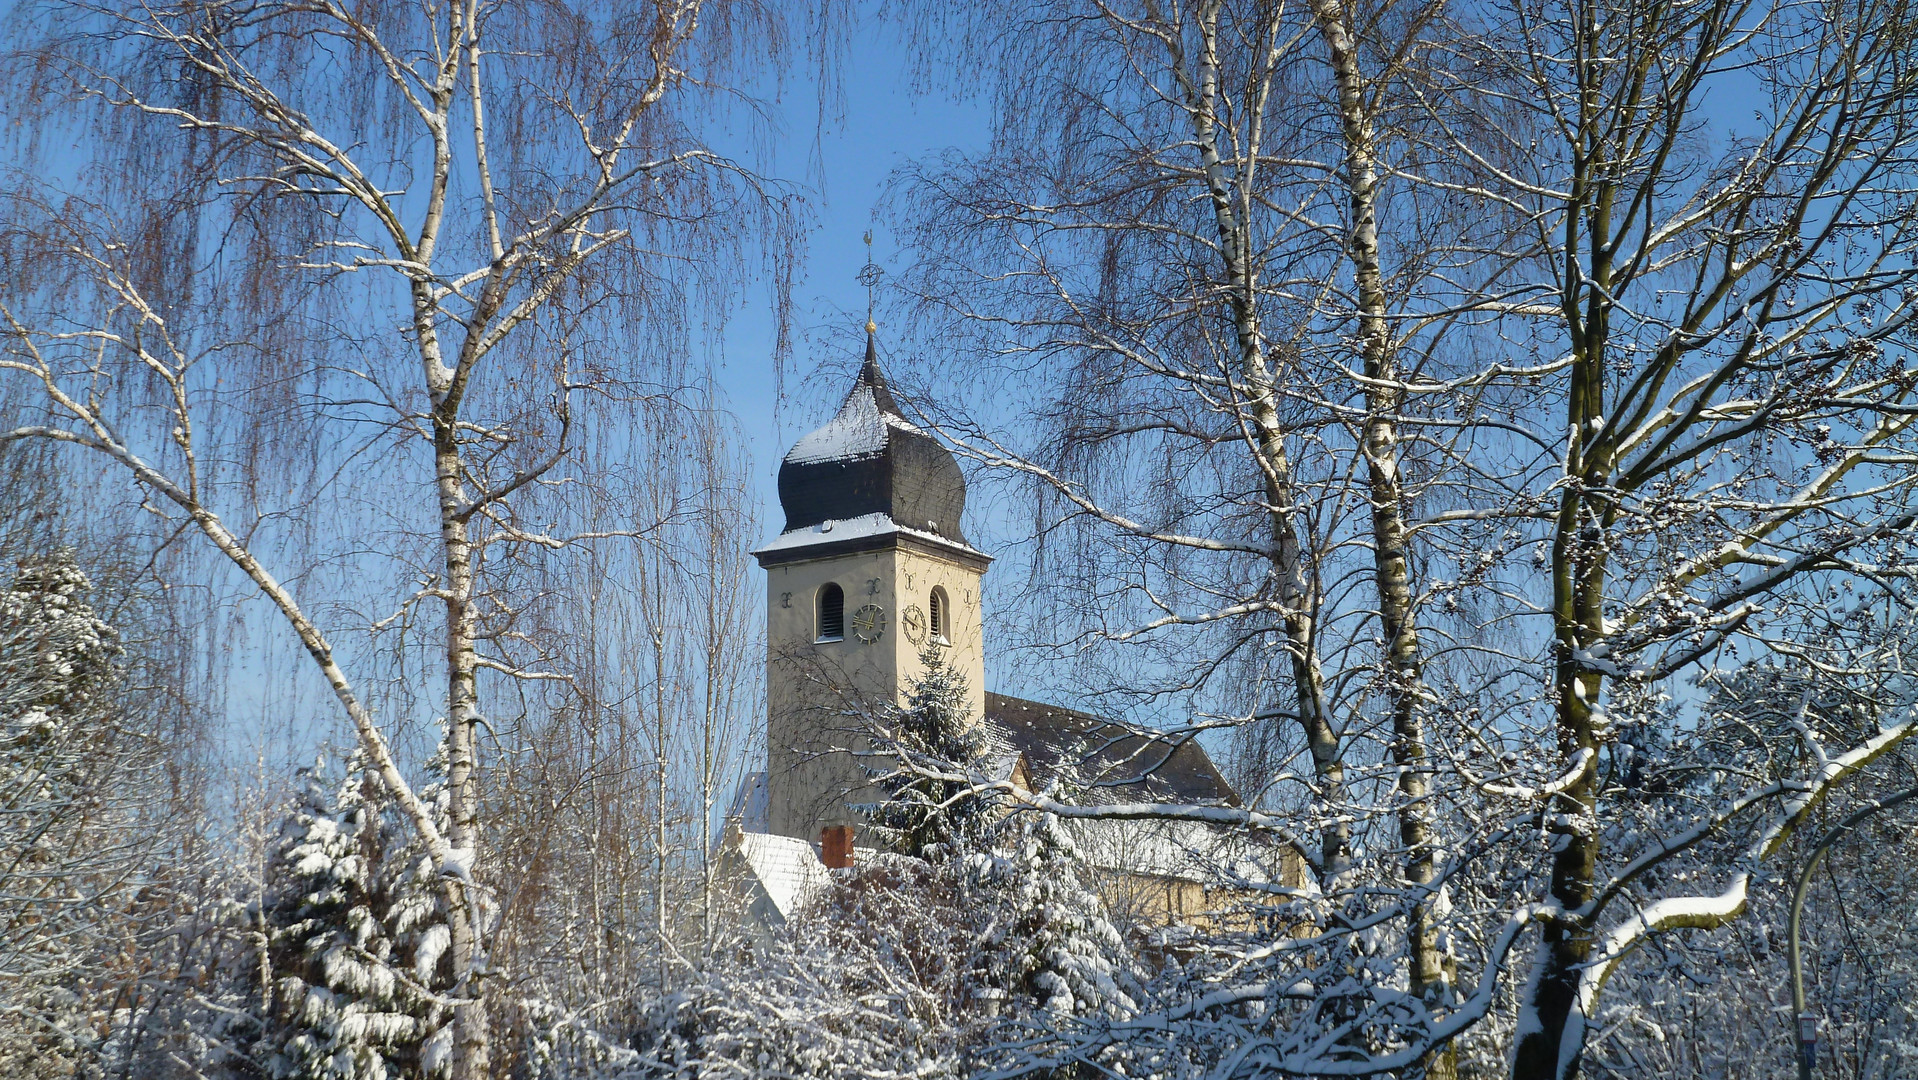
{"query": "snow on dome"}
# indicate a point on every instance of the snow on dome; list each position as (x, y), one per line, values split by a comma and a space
(870, 460)
(859, 528)
(859, 430)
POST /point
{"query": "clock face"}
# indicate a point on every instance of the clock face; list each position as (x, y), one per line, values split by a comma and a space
(869, 623)
(913, 622)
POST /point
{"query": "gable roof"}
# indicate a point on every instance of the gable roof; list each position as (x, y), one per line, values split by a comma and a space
(752, 804)
(786, 871)
(1113, 762)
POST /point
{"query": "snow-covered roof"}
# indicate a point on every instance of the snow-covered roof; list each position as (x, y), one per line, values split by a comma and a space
(752, 806)
(786, 868)
(1103, 762)
(1108, 762)
(870, 462)
(1189, 850)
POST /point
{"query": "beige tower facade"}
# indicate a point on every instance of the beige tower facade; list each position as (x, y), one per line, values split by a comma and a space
(871, 569)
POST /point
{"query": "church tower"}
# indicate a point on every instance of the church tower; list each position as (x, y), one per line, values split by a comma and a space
(872, 566)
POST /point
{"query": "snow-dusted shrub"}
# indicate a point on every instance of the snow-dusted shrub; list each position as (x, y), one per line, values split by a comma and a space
(1716, 1003)
(911, 967)
(70, 847)
(185, 1002)
(878, 978)
(125, 946)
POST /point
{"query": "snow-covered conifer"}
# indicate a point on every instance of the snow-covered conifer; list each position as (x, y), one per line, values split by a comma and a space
(67, 851)
(1054, 946)
(930, 816)
(57, 657)
(357, 941)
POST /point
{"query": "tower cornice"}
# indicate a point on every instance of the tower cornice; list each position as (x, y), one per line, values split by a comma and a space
(838, 539)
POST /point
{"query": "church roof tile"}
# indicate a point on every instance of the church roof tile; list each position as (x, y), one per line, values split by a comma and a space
(1107, 761)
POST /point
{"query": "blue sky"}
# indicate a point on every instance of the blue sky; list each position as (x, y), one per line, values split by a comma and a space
(843, 173)
(841, 169)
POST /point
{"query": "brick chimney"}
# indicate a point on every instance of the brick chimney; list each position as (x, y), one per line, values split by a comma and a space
(835, 847)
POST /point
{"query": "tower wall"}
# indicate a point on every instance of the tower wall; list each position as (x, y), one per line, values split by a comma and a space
(821, 694)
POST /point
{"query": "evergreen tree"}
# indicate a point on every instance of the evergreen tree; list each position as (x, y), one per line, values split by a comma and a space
(981, 922)
(1052, 945)
(928, 816)
(1045, 944)
(357, 941)
(68, 803)
(57, 657)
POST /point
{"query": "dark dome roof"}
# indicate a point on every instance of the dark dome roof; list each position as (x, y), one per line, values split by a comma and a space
(869, 459)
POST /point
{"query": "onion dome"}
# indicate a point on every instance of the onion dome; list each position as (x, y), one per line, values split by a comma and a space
(870, 471)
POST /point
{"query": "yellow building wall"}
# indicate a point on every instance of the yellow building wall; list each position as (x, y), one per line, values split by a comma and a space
(820, 694)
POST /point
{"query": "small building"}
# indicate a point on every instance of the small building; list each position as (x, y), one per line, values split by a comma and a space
(873, 563)
(775, 875)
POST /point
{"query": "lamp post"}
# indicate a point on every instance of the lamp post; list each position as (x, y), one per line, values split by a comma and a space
(1806, 1023)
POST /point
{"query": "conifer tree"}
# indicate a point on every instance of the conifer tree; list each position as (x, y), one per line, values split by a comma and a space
(1053, 944)
(57, 657)
(926, 816)
(67, 803)
(1046, 942)
(357, 940)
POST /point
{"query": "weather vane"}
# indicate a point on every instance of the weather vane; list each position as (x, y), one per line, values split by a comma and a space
(869, 276)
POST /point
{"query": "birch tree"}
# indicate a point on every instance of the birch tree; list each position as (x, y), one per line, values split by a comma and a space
(381, 268)
(1599, 390)
(1731, 315)
(1211, 348)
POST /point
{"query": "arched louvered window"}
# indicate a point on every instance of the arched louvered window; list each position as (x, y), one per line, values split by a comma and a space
(832, 612)
(941, 613)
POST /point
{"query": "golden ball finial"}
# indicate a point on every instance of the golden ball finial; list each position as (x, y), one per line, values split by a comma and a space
(871, 327)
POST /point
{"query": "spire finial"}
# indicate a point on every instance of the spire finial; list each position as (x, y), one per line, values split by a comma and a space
(869, 276)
